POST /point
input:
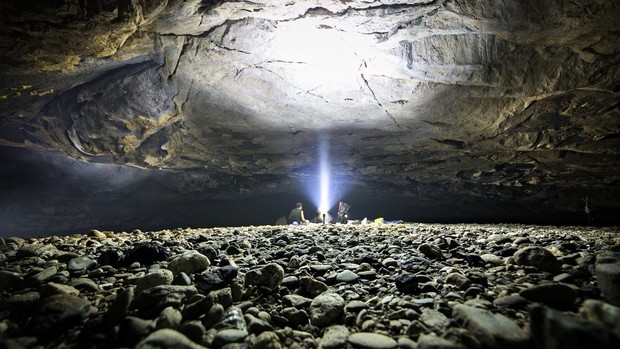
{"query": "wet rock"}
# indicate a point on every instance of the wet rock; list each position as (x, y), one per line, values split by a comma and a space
(326, 308)
(538, 257)
(167, 338)
(269, 276)
(551, 329)
(491, 330)
(189, 262)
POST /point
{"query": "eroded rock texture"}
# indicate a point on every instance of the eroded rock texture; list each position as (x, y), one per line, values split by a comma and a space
(478, 108)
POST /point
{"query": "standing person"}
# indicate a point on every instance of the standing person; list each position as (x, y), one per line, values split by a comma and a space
(297, 215)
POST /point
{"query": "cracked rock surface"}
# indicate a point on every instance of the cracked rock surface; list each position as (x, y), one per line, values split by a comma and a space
(491, 104)
(282, 287)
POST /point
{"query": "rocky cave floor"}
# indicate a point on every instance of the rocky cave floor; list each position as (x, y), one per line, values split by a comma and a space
(317, 286)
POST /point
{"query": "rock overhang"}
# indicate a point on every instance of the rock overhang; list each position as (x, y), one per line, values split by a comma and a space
(426, 101)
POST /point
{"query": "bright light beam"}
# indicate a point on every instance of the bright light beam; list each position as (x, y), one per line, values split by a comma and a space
(324, 185)
(324, 182)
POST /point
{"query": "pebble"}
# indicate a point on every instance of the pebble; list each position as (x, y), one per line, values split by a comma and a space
(347, 276)
(156, 278)
(269, 276)
(434, 319)
(167, 338)
(189, 262)
(81, 264)
(326, 308)
(229, 335)
(335, 337)
(296, 301)
(511, 301)
(432, 341)
(491, 330)
(267, 340)
(119, 307)
(430, 251)
(407, 283)
(550, 293)
(538, 257)
(369, 340)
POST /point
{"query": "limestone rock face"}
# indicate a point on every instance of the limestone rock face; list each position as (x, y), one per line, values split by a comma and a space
(505, 109)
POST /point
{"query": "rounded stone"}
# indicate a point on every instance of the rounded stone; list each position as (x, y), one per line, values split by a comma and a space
(156, 278)
(167, 338)
(189, 262)
(267, 340)
(368, 340)
(270, 276)
(326, 308)
(229, 335)
(347, 276)
(538, 257)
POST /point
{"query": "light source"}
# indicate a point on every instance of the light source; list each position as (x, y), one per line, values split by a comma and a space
(320, 192)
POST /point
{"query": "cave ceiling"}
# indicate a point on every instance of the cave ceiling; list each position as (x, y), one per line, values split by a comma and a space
(491, 101)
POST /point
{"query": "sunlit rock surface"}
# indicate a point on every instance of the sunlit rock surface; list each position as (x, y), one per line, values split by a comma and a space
(448, 110)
